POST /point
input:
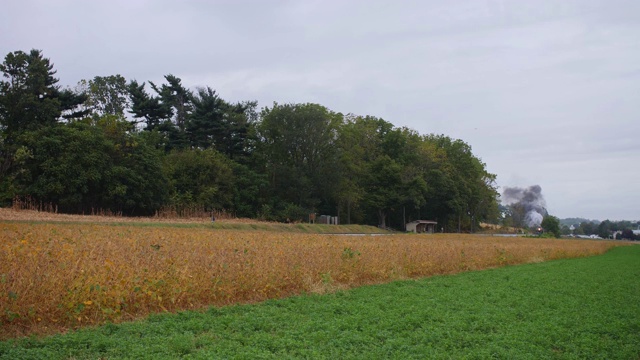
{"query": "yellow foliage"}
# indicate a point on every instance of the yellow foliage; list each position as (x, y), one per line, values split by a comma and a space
(59, 276)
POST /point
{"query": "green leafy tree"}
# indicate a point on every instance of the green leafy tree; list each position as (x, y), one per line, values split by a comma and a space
(551, 225)
(30, 100)
(71, 104)
(382, 171)
(106, 95)
(356, 144)
(442, 201)
(200, 150)
(137, 184)
(66, 166)
(250, 190)
(200, 178)
(219, 124)
(627, 234)
(176, 97)
(297, 143)
(83, 167)
(236, 138)
(27, 95)
(147, 107)
(464, 193)
(405, 147)
(384, 184)
(587, 228)
(399, 175)
(605, 229)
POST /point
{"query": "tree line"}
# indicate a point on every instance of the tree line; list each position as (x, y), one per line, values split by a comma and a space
(605, 229)
(136, 147)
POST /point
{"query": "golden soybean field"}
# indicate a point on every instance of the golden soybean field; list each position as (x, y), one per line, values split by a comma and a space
(57, 276)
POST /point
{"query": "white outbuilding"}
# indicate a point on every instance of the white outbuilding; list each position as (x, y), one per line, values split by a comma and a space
(422, 226)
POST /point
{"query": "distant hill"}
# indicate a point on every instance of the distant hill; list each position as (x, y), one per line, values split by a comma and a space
(576, 221)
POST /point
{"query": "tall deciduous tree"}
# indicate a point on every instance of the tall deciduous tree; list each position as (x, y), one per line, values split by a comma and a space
(298, 144)
(202, 178)
(469, 190)
(106, 95)
(83, 166)
(352, 151)
(605, 229)
(551, 225)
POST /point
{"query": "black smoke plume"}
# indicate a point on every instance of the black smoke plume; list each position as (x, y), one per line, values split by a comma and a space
(527, 205)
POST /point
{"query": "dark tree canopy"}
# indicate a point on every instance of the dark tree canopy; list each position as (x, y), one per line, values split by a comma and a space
(126, 147)
(551, 224)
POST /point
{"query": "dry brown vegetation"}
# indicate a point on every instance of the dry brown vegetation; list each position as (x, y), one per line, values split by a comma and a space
(19, 214)
(56, 276)
(499, 229)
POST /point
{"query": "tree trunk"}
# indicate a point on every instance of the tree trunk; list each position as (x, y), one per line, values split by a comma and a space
(382, 217)
(404, 219)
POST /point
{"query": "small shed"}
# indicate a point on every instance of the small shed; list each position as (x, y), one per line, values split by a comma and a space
(422, 226)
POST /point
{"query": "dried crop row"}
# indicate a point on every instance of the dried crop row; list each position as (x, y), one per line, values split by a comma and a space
(11, 214)
(59, 276)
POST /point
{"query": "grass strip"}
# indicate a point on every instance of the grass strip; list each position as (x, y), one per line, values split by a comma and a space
(586, 308)
(222, 225)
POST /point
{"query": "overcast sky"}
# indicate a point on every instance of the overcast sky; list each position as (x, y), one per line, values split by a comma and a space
(546, 92)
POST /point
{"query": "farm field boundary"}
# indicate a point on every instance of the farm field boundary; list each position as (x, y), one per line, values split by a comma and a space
(585, 308)
(57, 276)
(30, 216)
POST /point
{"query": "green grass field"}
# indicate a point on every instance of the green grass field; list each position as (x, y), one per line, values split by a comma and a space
(585, 308)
